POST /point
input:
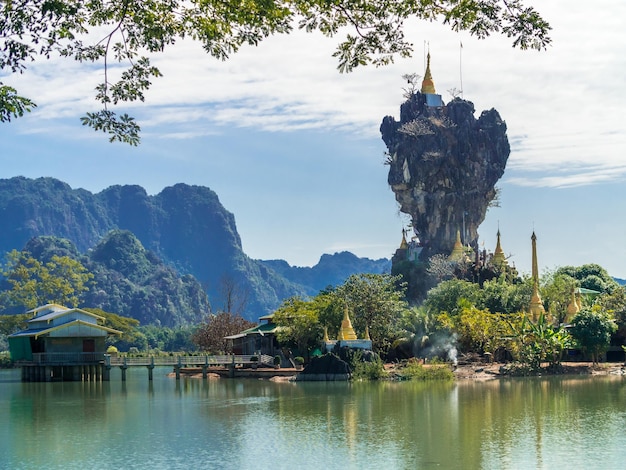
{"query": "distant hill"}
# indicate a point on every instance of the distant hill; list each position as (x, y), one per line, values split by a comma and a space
(131, 281)
(330, 270)
(185, 226)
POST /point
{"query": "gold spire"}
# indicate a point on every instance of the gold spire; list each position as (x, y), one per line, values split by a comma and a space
(498, 256)
(536, 305)
(367, 333)
(428, 85)
(457, 249)
(346, 331)
(535, 265)
(403, 244)
(326, 335)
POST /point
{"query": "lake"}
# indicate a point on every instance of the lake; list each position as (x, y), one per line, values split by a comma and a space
(573, 422)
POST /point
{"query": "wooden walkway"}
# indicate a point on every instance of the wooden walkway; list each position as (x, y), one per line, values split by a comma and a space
(230, 362)
(47, 367)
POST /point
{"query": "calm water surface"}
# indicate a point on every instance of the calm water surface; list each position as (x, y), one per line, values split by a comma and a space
(572, 423)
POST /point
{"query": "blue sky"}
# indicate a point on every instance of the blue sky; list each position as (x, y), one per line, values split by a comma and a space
(292, 147)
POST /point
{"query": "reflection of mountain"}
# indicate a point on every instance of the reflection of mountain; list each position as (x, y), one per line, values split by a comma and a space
(185, 226)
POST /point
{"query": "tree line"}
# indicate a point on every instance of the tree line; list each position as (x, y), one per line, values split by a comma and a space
(487, 319)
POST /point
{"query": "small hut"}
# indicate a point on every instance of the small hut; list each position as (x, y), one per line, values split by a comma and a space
(260, 339)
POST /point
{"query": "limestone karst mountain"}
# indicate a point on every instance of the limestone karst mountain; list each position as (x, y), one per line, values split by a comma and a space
(443, 167)
(185, 226)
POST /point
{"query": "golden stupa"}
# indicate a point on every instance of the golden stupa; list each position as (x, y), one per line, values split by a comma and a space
(403, 244)
(346, 332)
(428, 85)
(498, 256)
(457, 250)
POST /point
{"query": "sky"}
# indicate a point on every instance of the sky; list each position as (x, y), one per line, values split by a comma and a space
(293, 149)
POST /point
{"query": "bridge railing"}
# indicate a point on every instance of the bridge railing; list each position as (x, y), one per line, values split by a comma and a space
(217, 360)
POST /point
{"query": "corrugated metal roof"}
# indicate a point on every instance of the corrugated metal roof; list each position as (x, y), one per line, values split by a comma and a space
(261, 329)
(265, 328)
(25, 333)
(239, 335)
(42, 331)
(583, 290)
(59, 313)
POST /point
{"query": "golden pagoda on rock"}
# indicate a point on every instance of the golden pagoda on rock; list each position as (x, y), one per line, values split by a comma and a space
(536, 305)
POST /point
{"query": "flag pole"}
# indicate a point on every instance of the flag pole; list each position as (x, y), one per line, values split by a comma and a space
(461, 66)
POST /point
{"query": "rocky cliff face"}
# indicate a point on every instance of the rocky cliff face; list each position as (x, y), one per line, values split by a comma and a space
(443, 167)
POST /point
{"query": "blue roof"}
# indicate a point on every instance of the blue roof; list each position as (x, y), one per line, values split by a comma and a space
(41, 331)
(58, 313)
(32, 332)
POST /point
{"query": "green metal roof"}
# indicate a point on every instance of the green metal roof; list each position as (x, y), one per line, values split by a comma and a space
(583, 290)
(261, 329)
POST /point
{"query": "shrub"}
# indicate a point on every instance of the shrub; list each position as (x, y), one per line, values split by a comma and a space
(416, 371)
(374, 370)
(299, 360)
(277, 360)
(254, 359)
(5, 360)
(112, 350)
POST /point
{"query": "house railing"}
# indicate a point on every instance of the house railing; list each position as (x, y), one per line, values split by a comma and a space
(68, 358)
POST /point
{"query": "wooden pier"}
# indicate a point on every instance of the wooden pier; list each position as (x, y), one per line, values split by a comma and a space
(52, 367)
(230, 361)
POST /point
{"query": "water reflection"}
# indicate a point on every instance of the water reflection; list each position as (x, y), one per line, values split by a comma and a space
(523, 423)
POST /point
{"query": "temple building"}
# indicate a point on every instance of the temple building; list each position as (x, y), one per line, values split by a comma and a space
(408, 251)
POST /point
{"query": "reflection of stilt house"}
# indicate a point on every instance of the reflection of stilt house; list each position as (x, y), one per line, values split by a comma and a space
(258, 339)
(61, 343)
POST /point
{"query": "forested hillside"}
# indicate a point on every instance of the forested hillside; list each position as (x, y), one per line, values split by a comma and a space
(184, 226)
(130, 280)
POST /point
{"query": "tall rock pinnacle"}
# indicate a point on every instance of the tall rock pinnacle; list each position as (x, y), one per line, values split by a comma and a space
(443, 167)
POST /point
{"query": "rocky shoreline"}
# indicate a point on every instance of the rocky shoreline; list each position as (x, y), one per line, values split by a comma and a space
(489, 371)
